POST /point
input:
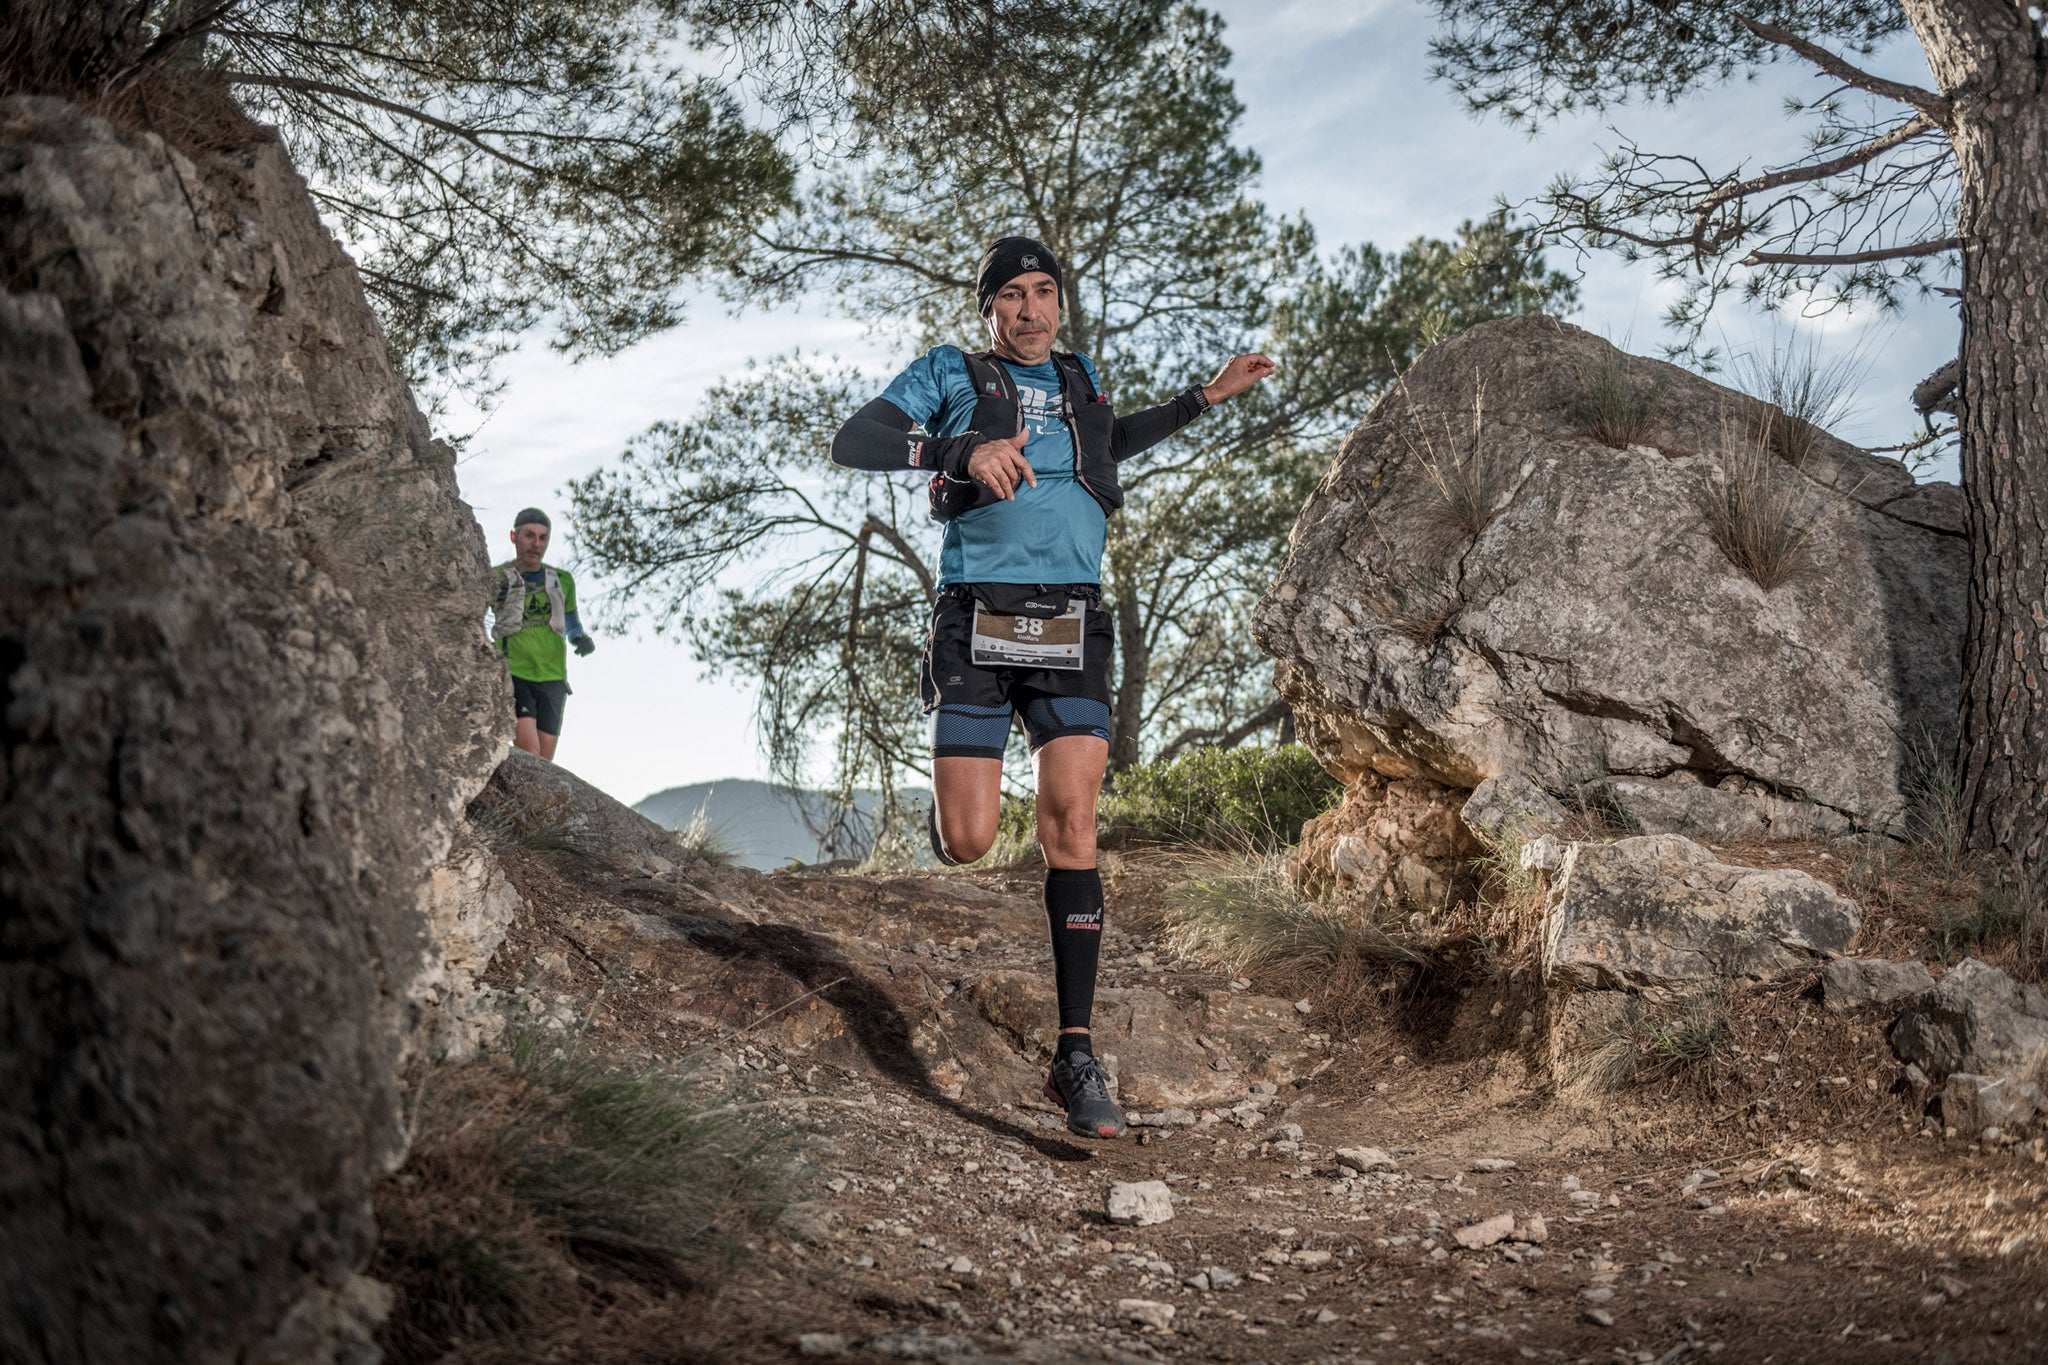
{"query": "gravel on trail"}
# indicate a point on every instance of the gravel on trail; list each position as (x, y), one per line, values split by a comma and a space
(1406, 1201)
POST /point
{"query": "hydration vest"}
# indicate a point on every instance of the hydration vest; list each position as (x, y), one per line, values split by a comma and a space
(997, 414)
(508, 615)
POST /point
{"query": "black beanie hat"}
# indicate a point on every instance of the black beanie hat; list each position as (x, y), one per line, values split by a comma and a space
(1005, 261)
(532, 514)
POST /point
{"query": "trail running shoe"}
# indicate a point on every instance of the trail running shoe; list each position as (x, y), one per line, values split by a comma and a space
(1079, 1082)
(931, 824)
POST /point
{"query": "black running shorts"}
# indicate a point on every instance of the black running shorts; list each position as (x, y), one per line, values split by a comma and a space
(540, 702)
(971, 706)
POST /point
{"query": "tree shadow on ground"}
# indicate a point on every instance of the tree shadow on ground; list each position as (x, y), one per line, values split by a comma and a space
(873, 1021)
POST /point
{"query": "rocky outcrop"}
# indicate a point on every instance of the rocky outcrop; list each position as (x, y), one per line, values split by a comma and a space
(530, 799)
(1980, 1040)
(1398, 840)
(1854, 983)
(246, 699)
(1658, 911)
(470, 906)
(1479, 589)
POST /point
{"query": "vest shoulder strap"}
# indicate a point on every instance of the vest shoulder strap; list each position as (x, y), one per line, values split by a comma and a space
(1074, 375)
(989, 379)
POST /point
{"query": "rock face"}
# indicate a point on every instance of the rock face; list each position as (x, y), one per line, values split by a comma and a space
(1851, 983)
(246, 700)
(1977, 1022)
(1658, 910)
(531, 798)
(1591, 635)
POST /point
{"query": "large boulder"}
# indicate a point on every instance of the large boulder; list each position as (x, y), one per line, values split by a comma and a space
(1591, 636)
(246, 699)
(1658, 911)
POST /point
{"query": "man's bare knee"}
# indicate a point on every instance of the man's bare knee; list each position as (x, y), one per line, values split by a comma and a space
(1067, 838)
(966, 845)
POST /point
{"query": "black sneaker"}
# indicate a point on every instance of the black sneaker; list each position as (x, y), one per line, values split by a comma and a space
(1079, 1082)
(931, 824)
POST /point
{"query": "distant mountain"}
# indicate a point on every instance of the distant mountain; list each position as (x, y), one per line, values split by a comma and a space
(762, 824)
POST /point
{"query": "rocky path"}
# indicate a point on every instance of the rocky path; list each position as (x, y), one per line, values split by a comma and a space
(1324, 1200)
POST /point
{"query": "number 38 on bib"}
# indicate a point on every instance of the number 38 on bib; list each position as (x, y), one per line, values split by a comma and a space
(1028, 641)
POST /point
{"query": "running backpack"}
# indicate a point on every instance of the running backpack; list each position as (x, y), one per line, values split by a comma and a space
(508, 608)
(999, 408)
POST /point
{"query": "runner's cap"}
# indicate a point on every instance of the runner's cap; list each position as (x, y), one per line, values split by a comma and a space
(1005, 261)
(532, 514)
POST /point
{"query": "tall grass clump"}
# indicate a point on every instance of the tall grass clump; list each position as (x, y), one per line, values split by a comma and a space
(1758, 511)
(1687, 1037)
(1505, 920)
(1810, 394)
(704, 842)
(1933, 787)
(530, 1165)
(1253, 796)
(1469, 477)
(2008, 922)
(1241, 915)
(1616, 405)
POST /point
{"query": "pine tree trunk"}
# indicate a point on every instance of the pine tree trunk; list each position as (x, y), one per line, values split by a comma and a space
(1134, 661)
(1987, 60)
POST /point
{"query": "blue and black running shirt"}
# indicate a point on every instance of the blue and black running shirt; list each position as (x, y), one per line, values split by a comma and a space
(1053, 533)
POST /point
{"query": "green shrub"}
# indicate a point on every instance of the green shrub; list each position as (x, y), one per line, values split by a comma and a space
(1254, 797)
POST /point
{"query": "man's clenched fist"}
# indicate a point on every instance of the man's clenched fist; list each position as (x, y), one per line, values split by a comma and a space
(1240, 374)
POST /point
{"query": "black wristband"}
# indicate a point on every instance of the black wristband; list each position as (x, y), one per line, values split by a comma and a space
(948, 455)
(1200, 396)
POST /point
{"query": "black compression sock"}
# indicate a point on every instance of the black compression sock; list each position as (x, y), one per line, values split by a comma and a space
(1073, 903)
(1074, 1042)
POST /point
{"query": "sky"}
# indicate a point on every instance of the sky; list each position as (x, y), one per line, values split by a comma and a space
(1352, 132)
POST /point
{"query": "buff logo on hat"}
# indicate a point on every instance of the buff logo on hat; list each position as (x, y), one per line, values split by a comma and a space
(1029, 262)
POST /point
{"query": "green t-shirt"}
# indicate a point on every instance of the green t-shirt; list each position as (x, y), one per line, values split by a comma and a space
(536, 653)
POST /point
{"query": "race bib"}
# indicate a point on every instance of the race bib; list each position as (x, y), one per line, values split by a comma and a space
(1028, 641)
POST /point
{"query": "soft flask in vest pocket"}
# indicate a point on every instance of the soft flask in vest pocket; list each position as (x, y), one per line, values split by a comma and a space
(950, 497)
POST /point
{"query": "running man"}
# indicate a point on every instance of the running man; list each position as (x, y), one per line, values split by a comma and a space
(533, 617)
(1022, 449)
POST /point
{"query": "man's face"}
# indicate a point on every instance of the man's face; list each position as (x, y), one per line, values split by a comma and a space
(1025, 317)
(529, 543)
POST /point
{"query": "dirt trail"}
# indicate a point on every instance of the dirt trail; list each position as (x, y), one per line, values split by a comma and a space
(947, 1214)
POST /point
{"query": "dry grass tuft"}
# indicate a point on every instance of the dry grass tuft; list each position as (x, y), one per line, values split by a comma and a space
(1242, 915)
(1759, 511)
(1504, 923)
(1616, 405)
(549, 1197)
(1686, 1038)
(704, 843)
(1470, 478)
(1418, 601)
(1809, 395)
(1933, 787)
